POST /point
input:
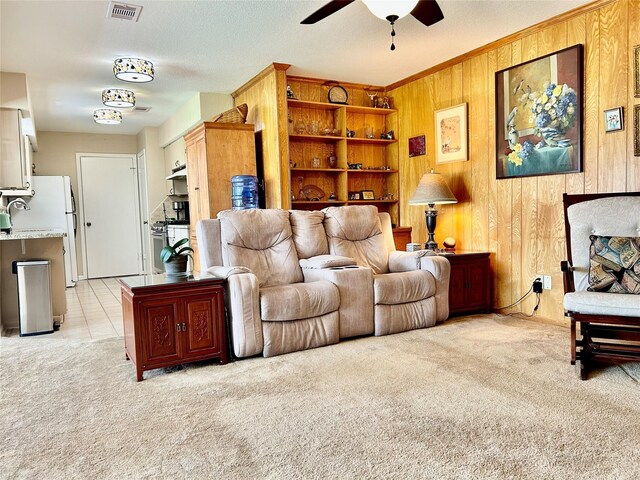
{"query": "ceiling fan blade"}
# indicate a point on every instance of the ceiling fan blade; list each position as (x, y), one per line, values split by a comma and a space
(427, 12)
(329, 9)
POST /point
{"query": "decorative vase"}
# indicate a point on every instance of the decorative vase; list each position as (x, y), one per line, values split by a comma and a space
(176, 265)
(554, 137)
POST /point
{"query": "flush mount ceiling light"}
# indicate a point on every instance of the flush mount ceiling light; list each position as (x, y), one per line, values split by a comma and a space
(118, 97)
(107, 116)
(133, 70)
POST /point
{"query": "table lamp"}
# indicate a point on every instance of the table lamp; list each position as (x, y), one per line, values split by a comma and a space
(432, 190)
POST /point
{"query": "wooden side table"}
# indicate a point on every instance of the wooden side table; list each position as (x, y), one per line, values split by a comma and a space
(470, 282)
(401, 236)
(170, 320)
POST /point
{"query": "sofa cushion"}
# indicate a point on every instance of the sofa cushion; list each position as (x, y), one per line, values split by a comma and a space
(599, 303)
(260, 240)
(297, 301)
(308, 233)
(403, 287)
(614, 264)
(355, 231)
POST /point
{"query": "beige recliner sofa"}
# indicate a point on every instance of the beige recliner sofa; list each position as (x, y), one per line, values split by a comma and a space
(304, 279)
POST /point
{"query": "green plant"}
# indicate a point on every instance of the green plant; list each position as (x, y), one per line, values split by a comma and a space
(170, 252)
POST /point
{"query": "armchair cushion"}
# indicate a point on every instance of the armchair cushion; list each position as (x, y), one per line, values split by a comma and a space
(356, 232)
(602, 303)
(308, 233)
(260, 240)
(614, 264)
(402, 287)
(298, 301)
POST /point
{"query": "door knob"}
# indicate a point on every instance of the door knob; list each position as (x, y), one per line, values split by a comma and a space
(88, 224)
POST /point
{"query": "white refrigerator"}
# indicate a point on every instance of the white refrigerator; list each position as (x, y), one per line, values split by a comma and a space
(52, 206)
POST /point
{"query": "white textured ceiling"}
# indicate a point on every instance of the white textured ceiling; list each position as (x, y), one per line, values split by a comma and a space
(66, 48)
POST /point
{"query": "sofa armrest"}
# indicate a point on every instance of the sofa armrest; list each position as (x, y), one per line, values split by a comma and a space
(437, 265)
(225, 272)
(243, 305)
(355, 286)
(326, 261)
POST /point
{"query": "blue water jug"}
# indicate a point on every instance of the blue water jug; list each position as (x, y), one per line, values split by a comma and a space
(244, 192)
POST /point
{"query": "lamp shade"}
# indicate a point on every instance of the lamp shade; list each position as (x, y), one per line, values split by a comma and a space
(118, 97)
(135, 70)
(385, 8)
(107, 116)
(432, 190)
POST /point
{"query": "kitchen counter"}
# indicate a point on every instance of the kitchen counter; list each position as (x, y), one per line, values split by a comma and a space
(31, 234)
(30, 244)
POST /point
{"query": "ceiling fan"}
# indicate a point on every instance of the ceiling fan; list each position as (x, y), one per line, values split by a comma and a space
(425, 11)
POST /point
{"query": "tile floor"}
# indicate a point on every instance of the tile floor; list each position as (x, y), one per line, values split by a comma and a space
(94, 311)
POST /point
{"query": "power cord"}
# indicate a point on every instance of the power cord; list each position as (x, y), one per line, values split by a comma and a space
(517, 301)
(520, 314)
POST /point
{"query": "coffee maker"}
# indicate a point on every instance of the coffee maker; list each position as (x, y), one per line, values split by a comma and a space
(182, 211)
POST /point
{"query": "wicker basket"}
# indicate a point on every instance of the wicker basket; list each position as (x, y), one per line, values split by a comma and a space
(235, 115)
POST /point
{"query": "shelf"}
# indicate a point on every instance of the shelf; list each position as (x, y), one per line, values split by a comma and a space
(364, 170)
(370, 110)
(322, 138)
(379, 141)
(366, 202)
(315, 202)
(316, 105)
(310, 169)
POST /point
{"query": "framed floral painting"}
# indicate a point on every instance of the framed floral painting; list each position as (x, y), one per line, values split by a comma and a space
(451, 134)
(539, 116)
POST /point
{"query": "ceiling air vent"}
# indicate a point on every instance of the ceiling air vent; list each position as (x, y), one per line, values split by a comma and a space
(124, 11)
(140, 109)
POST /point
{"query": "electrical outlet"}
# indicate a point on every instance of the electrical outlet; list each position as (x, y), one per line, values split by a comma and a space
(537, 285)
(545, 280)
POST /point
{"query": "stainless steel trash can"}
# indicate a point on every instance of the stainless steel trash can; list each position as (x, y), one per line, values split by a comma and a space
(34, 296)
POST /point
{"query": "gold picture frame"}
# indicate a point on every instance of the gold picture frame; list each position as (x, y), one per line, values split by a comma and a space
(636, 71)
(451, 134)
(636, 130)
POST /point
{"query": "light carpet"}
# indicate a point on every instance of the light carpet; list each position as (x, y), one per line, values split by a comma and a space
(479, 397)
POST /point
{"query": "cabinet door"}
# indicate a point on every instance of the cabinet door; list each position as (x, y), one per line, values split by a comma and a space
(477, 284)
(196, 156)
(160, 336)
(457, 288)
(204, 319)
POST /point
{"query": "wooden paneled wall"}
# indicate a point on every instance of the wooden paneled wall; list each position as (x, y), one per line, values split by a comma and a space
(265, 95)
(521, 220)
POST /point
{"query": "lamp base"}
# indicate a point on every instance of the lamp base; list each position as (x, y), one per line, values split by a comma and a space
(430, 218)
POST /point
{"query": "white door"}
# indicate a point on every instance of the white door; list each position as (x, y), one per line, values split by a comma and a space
(109, 189)
(145, 229)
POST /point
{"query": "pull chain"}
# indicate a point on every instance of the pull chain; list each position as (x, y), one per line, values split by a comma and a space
(393, 34)
(392, 20)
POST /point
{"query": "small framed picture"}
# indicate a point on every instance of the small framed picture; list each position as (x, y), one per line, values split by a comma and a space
(417, 146)
(613, 121)
(367, 195)
(354, 196)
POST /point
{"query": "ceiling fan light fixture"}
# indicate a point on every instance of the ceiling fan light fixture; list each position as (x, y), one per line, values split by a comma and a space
(135, 70)
(107, 116)
(118, 97)
(384, 9)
